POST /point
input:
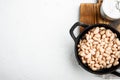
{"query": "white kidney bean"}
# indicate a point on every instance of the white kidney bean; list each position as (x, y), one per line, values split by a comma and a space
(102, 32)
(92, 62)
(118, 41)
(81, 53)
(108, 34)
(115, 63)
(83, 60)
(102, 28)
(103, 36)
(94, 68)
(109, 65)
(96, 30)
(112, 60)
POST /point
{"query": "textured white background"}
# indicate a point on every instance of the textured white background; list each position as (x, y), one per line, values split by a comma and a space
(35, 43)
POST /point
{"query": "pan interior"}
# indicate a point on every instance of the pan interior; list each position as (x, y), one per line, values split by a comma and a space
(85, 66)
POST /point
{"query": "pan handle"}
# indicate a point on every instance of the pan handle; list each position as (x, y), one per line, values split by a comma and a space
(73, 28)
(116, 73)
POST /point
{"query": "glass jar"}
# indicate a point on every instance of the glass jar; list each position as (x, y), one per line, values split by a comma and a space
(110, 9)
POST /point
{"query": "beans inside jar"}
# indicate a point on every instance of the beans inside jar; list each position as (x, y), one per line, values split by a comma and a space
(99, 48)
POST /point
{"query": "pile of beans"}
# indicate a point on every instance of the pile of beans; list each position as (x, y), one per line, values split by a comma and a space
(99, 48)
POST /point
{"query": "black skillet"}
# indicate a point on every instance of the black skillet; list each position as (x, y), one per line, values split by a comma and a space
(111, 70)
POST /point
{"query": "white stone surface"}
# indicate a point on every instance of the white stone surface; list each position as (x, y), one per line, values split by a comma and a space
(35, 43)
